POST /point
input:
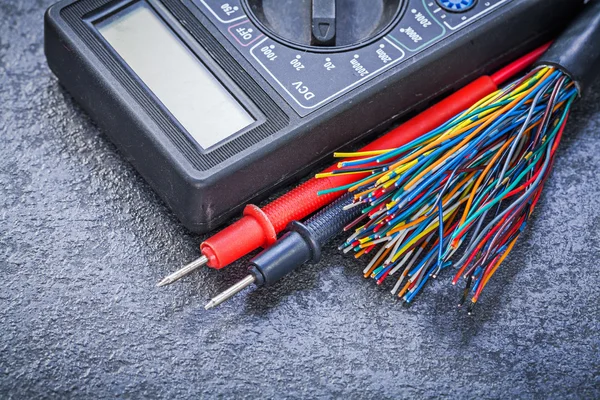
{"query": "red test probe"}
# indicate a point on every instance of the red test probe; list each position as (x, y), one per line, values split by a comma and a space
(259, 227)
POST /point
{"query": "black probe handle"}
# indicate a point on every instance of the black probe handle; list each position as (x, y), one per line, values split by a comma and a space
(303, 242)
(577, 50)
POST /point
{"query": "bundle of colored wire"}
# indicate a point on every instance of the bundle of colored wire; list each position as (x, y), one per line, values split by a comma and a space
(472, 183)
(462, 194)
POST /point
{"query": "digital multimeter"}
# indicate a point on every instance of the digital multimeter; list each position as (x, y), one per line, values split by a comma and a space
(215, 102)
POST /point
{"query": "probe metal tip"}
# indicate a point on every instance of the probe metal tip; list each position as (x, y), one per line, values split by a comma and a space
(229, 293)
(188, 269)
(210, 305)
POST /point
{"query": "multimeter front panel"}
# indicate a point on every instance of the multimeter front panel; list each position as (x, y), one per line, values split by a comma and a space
(215, 103)
(309, 78)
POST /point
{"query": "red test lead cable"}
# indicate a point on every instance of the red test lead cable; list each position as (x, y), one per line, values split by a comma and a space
(259, 227)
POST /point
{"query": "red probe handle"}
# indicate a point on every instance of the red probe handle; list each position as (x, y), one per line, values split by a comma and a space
(252, 230)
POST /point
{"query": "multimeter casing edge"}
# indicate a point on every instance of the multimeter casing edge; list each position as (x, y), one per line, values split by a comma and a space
(205, 195)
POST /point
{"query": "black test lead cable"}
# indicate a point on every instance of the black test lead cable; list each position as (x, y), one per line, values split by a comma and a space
(300, 245)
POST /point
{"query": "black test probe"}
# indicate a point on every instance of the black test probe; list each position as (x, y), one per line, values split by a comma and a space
(300, 245)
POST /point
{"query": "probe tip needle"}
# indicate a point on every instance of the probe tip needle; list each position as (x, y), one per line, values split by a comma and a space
(229, 293)
(210, 305)
(177, 275)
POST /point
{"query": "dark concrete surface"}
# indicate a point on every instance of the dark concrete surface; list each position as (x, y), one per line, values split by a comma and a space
(83, 241)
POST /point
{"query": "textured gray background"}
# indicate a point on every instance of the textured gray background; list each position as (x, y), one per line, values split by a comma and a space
(83, 240)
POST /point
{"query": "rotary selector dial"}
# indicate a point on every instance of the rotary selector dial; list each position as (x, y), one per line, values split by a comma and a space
(325, 24)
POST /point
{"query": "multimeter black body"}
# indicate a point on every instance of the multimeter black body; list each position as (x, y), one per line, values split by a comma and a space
(285, 104)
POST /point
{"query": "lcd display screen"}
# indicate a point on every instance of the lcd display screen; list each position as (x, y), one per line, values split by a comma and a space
(191, 93)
